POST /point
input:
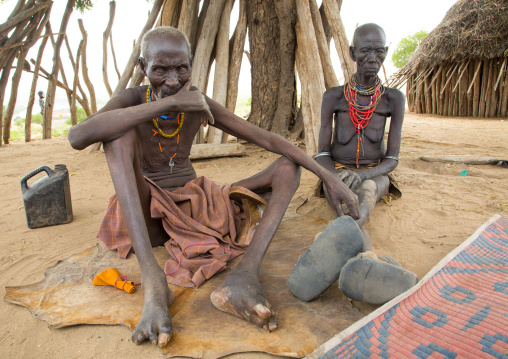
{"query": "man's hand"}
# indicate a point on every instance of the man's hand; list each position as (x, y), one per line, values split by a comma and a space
(339, 193)
(351, 179)
(193, 100)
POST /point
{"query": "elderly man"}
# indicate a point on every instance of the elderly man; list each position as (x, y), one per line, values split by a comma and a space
(147, 133)
(355, 152)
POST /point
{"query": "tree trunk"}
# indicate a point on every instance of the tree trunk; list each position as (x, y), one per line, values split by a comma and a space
(50, 93)
(338, 31)
(105, 37)
(285, 114)
(264, 39)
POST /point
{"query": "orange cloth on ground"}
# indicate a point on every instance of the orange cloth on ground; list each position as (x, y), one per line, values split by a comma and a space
(112, 276)
(202, 223)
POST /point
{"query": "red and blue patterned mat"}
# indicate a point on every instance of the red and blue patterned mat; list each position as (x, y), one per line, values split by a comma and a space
(458, 310)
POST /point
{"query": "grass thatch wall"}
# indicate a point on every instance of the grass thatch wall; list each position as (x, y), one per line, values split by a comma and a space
(460, 69)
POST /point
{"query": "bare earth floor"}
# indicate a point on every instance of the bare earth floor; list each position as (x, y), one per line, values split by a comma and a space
(439, 209)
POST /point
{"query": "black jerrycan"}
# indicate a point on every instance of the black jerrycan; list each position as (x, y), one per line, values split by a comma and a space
(47, 200)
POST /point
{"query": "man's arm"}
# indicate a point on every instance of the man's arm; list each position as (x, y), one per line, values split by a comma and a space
(127, 109)
(234, 125)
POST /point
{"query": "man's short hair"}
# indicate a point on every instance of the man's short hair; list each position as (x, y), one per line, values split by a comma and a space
(365, 27)
(163, 32)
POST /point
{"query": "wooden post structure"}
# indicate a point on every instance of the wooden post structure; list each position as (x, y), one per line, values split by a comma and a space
(338, 31)
(311, 75)
(50, 93)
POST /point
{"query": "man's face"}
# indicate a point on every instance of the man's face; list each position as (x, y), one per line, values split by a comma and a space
(369, 52)
(167, 67)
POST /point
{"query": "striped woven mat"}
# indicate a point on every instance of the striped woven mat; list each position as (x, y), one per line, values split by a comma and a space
(458, 310)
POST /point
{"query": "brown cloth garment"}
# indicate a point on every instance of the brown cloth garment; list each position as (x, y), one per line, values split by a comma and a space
(201, 221)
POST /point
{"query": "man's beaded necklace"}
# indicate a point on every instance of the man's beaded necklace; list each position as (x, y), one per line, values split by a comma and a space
(180, 118)
(361, 113)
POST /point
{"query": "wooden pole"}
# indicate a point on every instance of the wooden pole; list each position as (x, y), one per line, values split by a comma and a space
(68, 91)
(428, 99)
(324, 49)
(33, 89)
(206, 43)
(483, 87)
(504, 97)
(113, 55)
(310, 73)
(237, 45)
(188, 22)
(462, 93)
(437, 87)
(220, 79)
(469, 95)
(105, 37)
(338, 31)
(50, 93)
(83, 94)
(133, 59)
(493, 92)
(488, 90)
(84, 68)
(74, 116)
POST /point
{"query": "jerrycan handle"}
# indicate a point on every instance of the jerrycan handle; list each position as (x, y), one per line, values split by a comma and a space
(24, 186)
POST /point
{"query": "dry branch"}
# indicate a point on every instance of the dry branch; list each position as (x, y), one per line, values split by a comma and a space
(84, 68)
(133, 59)
(105, 36)
(74, 116)
(113, 55)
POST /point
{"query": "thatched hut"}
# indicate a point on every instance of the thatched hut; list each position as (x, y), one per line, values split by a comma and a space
(460, 69)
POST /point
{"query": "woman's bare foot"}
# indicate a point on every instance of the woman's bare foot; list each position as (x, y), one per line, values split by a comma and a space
(155, 323)
(241, 295)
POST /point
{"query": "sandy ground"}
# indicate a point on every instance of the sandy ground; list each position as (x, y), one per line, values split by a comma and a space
(439, 209)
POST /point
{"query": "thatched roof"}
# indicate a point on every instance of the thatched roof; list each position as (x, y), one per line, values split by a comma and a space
(470, 29)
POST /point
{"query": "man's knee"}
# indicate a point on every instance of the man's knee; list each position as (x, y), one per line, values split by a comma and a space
(123, 145)
(289, 171)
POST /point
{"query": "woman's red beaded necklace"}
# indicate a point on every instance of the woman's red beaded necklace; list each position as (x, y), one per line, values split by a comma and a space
(361, 113)
(180, 118)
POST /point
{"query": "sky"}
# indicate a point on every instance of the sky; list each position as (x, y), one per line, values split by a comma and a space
(399, 18)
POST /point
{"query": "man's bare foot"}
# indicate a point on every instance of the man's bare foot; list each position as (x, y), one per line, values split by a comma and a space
(241, 295)
(155, 323)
